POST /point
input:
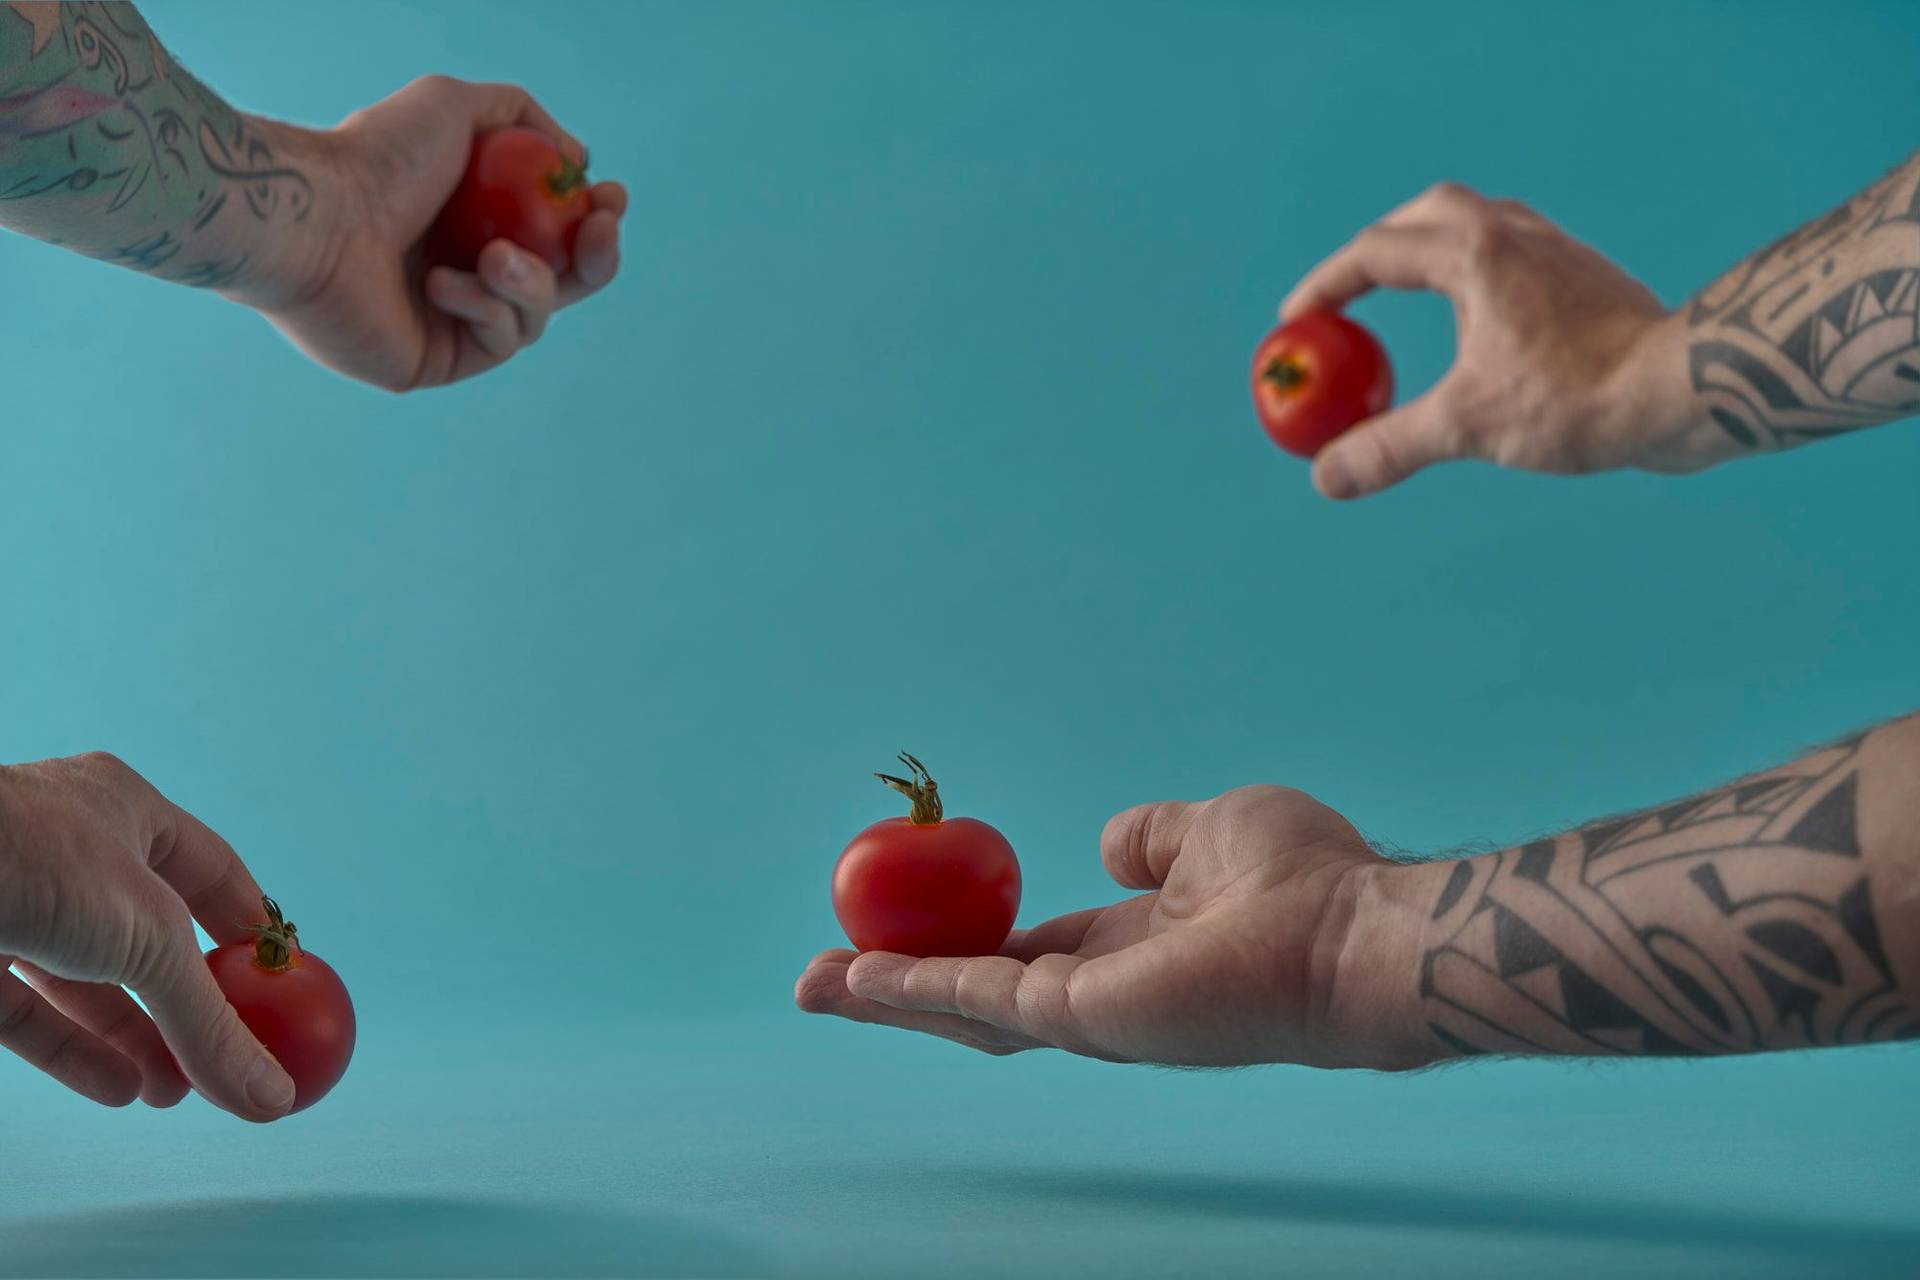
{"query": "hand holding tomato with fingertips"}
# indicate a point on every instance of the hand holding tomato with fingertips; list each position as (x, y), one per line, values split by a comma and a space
(927, 884)
(292, 1001)
(519, 186)
(1316, 376)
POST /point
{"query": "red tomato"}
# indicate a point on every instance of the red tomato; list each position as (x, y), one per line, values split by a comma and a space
(292, 1001)
(1316, 376)
(927, 885)
(517, 185)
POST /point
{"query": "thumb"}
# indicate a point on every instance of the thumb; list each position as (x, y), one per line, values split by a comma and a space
(1140, 844)
(1382, 451)
(220, 1056)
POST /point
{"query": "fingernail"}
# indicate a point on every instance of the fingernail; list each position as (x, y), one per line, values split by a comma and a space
(268, 1087)
(1335, 480)
(515, 267)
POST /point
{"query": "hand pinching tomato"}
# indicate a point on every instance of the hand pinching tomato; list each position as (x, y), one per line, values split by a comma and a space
(518, 185)
(1316, 376)
(927, 884)
(292, 1001)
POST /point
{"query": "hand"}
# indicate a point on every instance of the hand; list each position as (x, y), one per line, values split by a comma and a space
(1242, 950)
(362, 297)
(1565, 364)
(101, 879)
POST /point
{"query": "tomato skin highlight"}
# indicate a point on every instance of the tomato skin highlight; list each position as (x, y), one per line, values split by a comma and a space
(302, 1015)
(1316, 376)
(518, 185)
(949, 888)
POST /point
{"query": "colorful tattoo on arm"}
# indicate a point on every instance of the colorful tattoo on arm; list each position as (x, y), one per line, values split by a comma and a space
(110, 148)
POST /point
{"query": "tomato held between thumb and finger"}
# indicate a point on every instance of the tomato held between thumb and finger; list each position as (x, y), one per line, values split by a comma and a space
(927, 884)
(519, 186)
(292, 1001)
(1316, 376)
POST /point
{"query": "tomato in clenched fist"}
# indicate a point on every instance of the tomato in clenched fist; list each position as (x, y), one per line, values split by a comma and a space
(1316, 376)
(927, 884)
(292, 1001)
(518, 186)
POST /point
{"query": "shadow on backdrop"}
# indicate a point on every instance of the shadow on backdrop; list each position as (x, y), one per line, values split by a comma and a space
(366, 1235)
(1548, 1215)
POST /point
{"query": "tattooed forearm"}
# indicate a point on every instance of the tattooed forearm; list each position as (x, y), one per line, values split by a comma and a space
(110, 148)
(1816, 334)
(1738, 920)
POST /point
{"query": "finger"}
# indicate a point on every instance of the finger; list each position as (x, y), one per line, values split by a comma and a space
(524, 281)
(1515, 211)
(609, 197)
(1384, 451)
(44, 1037)
(596, 257)
(1422, 257)
(822, 989)
(1140, 844)
(1027, 999)
(206, 873)
(495, 105)
(111, 1014)
(1061, 935)
(219, 1055)
(491, 332)
(1443, 202)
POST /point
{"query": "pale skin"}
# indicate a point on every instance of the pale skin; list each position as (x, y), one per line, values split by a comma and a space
(110, 148)
(1780, 911)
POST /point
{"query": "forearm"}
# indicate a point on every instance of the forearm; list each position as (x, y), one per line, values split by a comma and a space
(1812, 336)
(110, 148)
(1781, 911)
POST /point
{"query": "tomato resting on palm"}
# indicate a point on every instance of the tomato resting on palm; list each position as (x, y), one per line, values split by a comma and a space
(518, 185)
(292, 1001)
(1316, 376)
(927, 884)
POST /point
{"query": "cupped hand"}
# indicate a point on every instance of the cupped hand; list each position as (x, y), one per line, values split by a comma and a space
(369, 302)
(101, 879)
(1565, 363)
(1232, 955)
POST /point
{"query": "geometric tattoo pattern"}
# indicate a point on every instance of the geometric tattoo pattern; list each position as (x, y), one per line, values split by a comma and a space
(1737, 920)
(1819, 332)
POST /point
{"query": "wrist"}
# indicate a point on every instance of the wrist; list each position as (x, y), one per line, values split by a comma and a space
(1655, 396)
(1375, 1007)
(288, 223)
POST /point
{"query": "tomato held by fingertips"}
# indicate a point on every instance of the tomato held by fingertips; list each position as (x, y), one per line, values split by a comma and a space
(927, 884)
(518, 185)
(1316, 376)
(292, 1001)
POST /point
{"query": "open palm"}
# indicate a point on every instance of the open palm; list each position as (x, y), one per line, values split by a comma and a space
(1227, 959)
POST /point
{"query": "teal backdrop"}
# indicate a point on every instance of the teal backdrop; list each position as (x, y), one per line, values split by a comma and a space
(918, 419)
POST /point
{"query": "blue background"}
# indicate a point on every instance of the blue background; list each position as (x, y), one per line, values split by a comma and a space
(918, 419)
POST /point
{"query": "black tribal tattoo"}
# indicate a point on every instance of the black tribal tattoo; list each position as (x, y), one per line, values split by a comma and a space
(1737, 920)
(1818, 333)
(109, 147)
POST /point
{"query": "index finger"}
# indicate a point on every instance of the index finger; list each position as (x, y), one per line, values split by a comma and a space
(1395, 257)
(207, 874)
(495, 105)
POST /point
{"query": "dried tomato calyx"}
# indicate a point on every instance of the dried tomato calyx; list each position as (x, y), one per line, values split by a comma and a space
(569, 177)
(276, 941)
(920, 788)
(1283, 373)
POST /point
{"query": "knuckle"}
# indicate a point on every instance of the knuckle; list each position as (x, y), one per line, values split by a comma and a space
(104, 762)
(435, 82)
(1483, 238)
